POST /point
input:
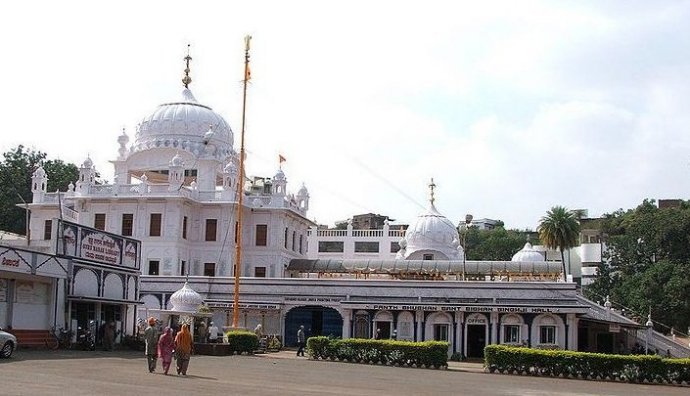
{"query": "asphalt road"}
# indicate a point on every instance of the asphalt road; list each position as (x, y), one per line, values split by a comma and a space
(125, 373)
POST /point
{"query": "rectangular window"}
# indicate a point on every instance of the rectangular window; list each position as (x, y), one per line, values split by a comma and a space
(155, 225)
(301, 243)
(127, 224)
(99, 221)
(428, 257)
(48, 230)
(211, 226)
(511, 334)
(331, 247)
(547, 334)
(286, 237)
(209, 269)
(259, 272)
(440, 332)
(154, 267)
(261, 234)
(293, 240)
(395, 246)
(366, 247)
(183, 268)
(184, 227)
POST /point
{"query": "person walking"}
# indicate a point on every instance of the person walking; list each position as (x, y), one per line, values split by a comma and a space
(109, 336)
(151, 339)
(213, 333)
(166, 345)
(300, 341)
(183, 349)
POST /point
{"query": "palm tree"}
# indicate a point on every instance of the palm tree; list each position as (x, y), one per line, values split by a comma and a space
(559, 229)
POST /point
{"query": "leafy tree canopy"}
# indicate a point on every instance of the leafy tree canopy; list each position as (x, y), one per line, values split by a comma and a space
(497, 244)
(647, 263)
(16, 168)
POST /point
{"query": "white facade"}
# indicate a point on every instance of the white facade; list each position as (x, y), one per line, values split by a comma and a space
(175, 189)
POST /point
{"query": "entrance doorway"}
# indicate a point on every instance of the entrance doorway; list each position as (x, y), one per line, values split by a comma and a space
(476, 341)
(604, 343)
(384, 329)
(316, 321)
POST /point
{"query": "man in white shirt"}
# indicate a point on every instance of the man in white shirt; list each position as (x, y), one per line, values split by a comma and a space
(213, 333)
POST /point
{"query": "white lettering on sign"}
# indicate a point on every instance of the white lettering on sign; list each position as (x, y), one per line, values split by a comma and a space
(476, 321)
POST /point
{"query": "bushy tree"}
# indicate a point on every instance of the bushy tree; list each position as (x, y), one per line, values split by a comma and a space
(16, 169)
(647, 261)
(497, 244)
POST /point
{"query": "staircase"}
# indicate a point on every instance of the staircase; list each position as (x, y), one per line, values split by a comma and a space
(32, 338)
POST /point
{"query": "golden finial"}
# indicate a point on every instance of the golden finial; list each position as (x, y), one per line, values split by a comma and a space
(432, 185)
(186, 80)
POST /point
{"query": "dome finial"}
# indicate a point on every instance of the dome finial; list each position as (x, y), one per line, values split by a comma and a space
(432, 185)
(186, 80)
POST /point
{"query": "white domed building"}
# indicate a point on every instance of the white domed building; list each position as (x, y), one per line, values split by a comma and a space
(175, 188)
(431, 237)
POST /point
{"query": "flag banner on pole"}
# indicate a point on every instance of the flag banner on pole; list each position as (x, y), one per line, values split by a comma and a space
(248, 74)
(281, 159)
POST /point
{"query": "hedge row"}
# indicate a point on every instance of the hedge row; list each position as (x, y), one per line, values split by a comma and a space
(397, 353)
(243, 341)
(570, 364)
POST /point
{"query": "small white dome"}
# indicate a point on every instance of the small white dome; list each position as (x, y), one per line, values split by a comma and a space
(303, 192)
(39, 172)
(176, 161)
(528, 254)
(87, 163)
(279, 175)
(186, 299)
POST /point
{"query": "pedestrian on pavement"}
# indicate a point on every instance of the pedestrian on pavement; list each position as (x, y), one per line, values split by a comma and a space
(213, 333)
(151, 339)
(183, 349)
(300, 341)
(202, 330)
(166, 345)
(109, 336)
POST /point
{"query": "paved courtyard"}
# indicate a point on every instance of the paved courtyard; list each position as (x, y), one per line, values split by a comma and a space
(125, 373)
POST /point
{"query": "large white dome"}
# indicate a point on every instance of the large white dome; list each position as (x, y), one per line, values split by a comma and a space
(185, 125)
(432, 233)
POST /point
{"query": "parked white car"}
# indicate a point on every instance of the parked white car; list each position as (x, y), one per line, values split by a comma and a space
(8, 343)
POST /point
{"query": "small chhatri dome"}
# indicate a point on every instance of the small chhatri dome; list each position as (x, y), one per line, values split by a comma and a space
(279, 175)
(176, 161)
(186, 299)
(303, 191)
(87, 163)
(230, 168)
(39, 172)
(529, 254)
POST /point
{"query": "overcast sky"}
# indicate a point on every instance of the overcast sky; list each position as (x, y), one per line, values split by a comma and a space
(512, 107)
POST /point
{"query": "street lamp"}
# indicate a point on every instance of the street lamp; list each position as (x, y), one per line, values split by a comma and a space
(468, 221)
(649, 325)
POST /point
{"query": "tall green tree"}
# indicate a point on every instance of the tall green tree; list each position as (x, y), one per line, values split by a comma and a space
(16, 168)
(646, 262)
(559, 229)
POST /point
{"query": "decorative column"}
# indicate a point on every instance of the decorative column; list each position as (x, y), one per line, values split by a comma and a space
(419, 318)
(493, 323)
(571, 332)
(347, 323)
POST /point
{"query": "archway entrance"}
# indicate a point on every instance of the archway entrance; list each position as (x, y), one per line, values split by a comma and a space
(476, 341)
(316, 321)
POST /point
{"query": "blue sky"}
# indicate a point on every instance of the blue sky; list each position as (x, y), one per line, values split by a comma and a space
(512, 107)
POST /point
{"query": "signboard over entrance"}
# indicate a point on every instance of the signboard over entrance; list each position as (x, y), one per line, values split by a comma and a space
(90, 244)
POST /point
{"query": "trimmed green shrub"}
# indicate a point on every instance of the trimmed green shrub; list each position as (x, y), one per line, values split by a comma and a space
(571, 364)
(398, 353)
(243, 341)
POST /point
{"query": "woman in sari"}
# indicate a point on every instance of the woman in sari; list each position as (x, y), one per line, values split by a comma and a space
(166, 344)
(183, 349)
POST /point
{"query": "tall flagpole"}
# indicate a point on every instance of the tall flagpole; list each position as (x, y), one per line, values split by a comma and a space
(240, 193)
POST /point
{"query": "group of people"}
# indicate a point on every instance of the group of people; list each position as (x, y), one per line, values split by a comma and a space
(166, 347)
